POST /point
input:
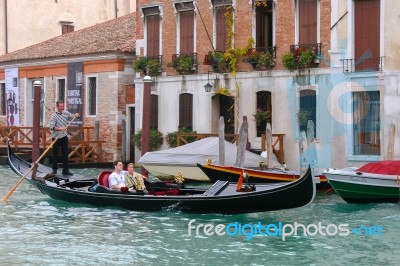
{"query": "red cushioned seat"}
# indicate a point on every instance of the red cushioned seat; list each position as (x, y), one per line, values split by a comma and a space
(102, 179)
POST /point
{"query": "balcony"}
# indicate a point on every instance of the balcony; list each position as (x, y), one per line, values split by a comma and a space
(315, 46)
(184, 63)
(362, 64)
(148, 65)
(261, 58)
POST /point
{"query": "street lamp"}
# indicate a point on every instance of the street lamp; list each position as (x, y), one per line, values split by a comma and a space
(208, 87)
(146, 118)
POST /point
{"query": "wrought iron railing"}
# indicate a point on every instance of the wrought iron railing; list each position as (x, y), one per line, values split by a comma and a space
(193, 55)
(269, 49)
(362, 64)
(315, 46)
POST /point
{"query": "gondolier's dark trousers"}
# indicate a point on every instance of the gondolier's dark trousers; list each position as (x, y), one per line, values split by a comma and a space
(63, 144)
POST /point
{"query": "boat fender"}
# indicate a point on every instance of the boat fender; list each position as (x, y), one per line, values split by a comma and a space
(359, 173)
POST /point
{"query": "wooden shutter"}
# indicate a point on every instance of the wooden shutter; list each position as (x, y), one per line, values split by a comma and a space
(221, 28)
(366, 39)
(186, 111)
(153, 35)
(154, 112)
(307, 21)
(67, 28)
(186, 32)
(3, 99)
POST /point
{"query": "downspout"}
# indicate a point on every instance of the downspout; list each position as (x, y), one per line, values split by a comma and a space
(5, 25)
(116, 8)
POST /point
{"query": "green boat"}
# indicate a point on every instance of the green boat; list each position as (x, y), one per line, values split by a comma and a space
(373, 183)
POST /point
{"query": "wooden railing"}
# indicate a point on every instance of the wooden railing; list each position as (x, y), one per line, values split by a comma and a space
(277, 141)
(82, 147)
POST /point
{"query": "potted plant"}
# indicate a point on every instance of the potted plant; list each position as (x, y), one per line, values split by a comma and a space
(156, 139)
(300, 58)
(261, 116)
(147, 65)
(220, 61)
(303, 115)
(259, 59)
(184, 63)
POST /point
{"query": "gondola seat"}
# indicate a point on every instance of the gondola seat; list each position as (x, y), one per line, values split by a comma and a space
(103, 178)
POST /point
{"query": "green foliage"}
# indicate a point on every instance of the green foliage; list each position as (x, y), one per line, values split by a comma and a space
(303, 115)
(156, 139)
(183, 63)
(299, 59)
(261, 116)
(173, 136)
(260, 59)
(147, 65)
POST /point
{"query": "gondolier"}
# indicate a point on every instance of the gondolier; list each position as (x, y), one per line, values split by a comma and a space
(58, 126)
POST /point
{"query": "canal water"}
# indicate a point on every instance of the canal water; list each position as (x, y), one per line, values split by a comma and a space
(36, 230)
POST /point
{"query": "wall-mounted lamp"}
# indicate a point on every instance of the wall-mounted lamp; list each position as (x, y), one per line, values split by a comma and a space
(208, 87)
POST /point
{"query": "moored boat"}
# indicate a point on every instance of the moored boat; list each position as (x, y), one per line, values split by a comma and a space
(184, 159)
(373, 183)
(221, 197)
(231, 173)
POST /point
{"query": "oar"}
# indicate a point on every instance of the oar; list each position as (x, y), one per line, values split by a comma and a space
(5, 198)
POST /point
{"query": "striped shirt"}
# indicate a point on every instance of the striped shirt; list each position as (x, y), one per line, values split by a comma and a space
(59, 120)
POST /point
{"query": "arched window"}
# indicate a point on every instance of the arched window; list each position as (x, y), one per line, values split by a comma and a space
(186, 111)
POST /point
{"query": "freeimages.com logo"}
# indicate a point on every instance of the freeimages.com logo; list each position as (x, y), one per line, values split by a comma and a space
(280, 230)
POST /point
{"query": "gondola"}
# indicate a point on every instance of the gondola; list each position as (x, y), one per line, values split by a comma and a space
(221, 197)
(231, 173)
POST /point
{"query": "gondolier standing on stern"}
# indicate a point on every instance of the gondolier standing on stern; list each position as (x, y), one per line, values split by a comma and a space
(58, 126)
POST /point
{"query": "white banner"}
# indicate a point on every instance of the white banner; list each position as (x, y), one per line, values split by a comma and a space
(12, 96)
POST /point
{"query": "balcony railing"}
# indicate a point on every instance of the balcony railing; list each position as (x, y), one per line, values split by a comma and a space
(269, 49)
(315, 46)
(194, 55)
(158, 57)
(362, 64)
(184, 63)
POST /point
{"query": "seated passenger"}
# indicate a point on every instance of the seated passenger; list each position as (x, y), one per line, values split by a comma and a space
(134, 181)
(116, 179)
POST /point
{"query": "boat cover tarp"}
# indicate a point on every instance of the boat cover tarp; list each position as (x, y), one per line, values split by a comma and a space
(382, 167)
(199, 152)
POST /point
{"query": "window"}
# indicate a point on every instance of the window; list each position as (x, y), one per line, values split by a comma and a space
(308, 20)
(264, 107)
(153, 35)
(186, 111)
(186, 32)
(366, 123)
(3, 102)
(308, 110)
(264, 30)
(92, 96)
(154, 112)
(367, 35)
(66, 28)
(221, 27)
(61, 90)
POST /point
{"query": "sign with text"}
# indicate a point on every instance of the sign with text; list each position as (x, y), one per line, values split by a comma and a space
(74, 91)
(12, 96)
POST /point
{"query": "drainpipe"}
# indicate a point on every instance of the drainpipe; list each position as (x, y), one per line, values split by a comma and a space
(5, 25)
(116, 8)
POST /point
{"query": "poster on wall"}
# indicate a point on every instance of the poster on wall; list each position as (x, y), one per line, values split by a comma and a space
(74, 91)
(12, 96)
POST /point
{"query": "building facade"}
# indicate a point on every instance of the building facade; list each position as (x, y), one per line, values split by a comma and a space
(24, 23)
(334, 63)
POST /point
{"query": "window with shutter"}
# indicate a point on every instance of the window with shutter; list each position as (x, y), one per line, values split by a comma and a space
(186, 111)
(153, 35)
(264, 26)
(66, 28)
(308, 21)
(263, 104)
(3, 100)
(308, 106)
(367, 35)
(186, 28)
(154, 112)
(92, 96)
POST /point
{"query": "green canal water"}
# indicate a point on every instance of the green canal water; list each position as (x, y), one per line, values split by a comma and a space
(36, 230)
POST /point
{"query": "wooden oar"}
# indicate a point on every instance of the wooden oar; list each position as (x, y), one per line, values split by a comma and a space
(6, 196)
